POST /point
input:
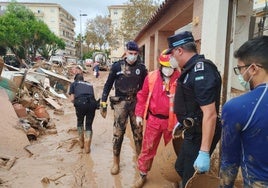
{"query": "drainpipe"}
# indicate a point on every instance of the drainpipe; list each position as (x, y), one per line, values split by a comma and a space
(226, 65)
(227, 52)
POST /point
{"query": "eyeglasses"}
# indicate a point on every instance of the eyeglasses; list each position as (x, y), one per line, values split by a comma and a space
(237, 70)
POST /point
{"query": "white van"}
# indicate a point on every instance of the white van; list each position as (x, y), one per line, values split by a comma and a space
(57, 59)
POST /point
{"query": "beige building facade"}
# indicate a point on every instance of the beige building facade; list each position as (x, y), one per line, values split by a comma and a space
(58, 20)
(116, 15)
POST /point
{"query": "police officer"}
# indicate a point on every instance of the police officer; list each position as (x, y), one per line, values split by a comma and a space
(82, 95)
(196, 105)
(127, 75)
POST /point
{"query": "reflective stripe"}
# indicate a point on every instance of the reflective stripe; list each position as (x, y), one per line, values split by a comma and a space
(152, 76)
(254, 110)
(172, 119)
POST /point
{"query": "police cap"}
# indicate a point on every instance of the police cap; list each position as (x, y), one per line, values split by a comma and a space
(178, 40)
(133, 46)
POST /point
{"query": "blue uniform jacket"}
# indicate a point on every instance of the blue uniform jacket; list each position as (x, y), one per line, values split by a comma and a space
(127, 79)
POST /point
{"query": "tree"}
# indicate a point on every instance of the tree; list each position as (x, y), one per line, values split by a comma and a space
(23, 34)
(98, 31)
(44, 41)
(137, 14)
(14, 30)
(53, 43)
(91, 39)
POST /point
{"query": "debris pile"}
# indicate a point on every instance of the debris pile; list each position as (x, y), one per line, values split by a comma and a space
(33, 91)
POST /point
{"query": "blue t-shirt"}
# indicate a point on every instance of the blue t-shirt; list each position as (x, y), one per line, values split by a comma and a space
(245, 138)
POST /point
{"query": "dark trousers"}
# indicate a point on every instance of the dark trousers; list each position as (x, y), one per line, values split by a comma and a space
(185, 160)
(122, 111)
(189, 152)
(85, 111)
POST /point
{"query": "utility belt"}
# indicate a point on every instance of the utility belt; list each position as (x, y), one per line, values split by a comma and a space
(190, 122)
(116, 99)
(160, 116)
(127, 98)
(193, 127)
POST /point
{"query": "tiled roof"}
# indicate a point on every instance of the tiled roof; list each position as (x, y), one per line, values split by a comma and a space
(156, 16)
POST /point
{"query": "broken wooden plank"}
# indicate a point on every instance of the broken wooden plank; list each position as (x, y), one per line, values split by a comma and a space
(53, 103)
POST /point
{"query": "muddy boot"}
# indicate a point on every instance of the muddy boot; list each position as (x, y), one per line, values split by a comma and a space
(88, 137)
(140, 182)
(115, 167)
(80, 131)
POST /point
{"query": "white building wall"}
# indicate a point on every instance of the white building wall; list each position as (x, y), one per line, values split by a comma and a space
(49, 15)
(116, 14)
(214, 30)
(242, 12)
(56, 19)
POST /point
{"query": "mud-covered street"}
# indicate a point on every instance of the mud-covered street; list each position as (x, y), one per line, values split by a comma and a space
(56, 160)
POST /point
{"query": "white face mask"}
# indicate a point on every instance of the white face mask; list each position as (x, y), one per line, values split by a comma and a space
(132, 58)
(173, 62)
(243, 82)
(167, 71)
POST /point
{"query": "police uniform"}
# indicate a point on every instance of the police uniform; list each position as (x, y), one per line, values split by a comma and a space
(198, 85)
(84, 103)
(128, 80)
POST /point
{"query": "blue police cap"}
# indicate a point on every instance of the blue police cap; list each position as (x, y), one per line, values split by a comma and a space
(131, 45)
(178, 40)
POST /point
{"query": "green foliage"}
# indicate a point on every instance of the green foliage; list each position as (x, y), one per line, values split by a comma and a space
(135, 17)
(24, 35)
(89, 55)
(100, 35)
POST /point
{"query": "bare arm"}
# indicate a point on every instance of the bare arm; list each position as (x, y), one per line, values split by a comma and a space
(208, 126)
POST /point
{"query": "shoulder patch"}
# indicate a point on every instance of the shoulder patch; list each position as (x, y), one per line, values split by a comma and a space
(199, 78)
(199, 66)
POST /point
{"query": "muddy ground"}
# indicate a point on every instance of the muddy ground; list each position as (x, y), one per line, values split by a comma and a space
(58, 161)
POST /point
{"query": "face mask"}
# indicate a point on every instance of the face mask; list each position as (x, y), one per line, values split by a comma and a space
(167, 71)
(173, 62)
(243, 82)
(132, 58)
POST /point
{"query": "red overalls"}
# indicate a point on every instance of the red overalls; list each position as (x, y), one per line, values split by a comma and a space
(155, 101)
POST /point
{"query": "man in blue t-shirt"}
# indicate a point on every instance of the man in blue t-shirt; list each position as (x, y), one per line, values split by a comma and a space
(245, 119)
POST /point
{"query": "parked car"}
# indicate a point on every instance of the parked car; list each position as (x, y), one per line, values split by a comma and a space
(88, 62)
(58, 59)
(11, 60)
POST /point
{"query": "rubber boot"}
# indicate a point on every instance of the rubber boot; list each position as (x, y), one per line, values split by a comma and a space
(140, 182)
(88, 138)
(115, 167)
(80, 131)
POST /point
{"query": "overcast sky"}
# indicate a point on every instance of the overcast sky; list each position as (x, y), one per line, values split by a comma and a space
(90, 7)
